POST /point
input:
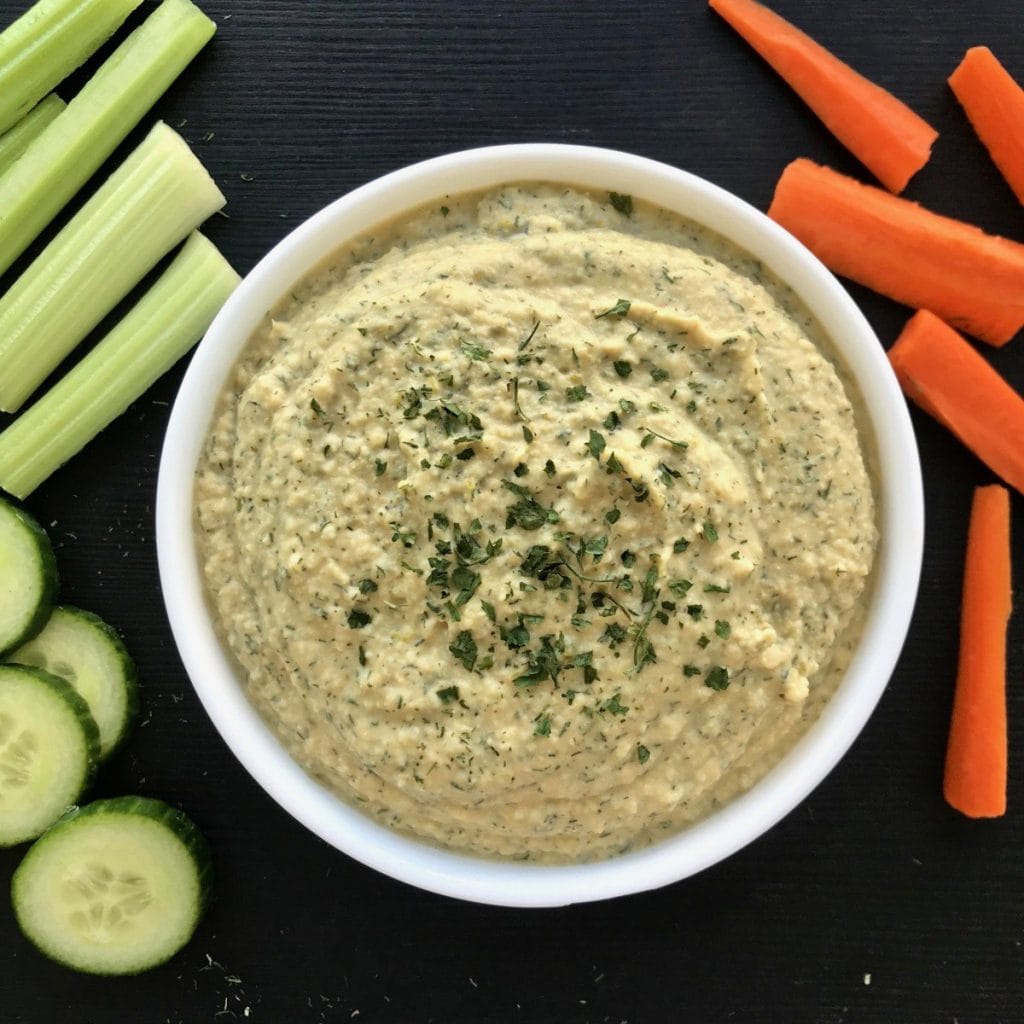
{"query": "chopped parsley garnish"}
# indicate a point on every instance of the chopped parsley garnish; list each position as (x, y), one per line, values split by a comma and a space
(367, 586)
(691, 670)
(521, 470)
(489, 610)
(680, 545)
(623, 368)
(543, 726)
(527, 513)
(710, 533)
(544, 663)
(612, 421)
(703, 640)
(716, 588)
(621, 308)
(526, 341)
(596, 445)
(614, 705)
(527, 434)
(627, 406)
(658, 374)
(613, 635)
(379, 467)
(643, 755)
(612, 516)
(474, 351)
(595, 547)
(681, 445)
(628, 559)
(722, 629)
(649, 593)
(549, 468)
(695, 611)
(717, 678)
(405, 537)
(680, 587)
(357, 618)
(448, 694)
(577, 393)
(464, 649)
(622, 203)
(317, 409)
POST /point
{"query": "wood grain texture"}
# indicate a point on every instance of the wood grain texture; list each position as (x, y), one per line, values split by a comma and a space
(873, 875)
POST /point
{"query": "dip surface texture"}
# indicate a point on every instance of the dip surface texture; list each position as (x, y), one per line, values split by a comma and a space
(539, 524)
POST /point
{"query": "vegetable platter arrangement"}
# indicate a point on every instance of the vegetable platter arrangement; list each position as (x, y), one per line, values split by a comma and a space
(898, 159)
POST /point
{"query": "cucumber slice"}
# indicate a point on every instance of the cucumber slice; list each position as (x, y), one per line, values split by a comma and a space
(48, 748)
(115, 887)
(28, 577)
(81, 648)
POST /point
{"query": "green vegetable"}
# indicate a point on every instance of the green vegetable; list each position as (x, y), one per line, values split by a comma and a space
(87, 653)
(63, 158)
(163, 325)
(47, 43)
(621, 308)
(115, 887)
(622, 203)
(464, 649)
(18, 137)
(28, 577)
(48, 748)
(717, 678)
(148, 205)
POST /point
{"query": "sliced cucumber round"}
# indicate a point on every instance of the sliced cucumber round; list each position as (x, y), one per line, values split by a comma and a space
(28, 577)
(48, 749)
(81, 648)
(115, 887)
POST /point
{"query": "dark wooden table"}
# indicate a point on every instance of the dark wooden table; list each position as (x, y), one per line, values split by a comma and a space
(872, 902)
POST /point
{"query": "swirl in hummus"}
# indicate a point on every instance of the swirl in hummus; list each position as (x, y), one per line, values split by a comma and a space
(539, 524)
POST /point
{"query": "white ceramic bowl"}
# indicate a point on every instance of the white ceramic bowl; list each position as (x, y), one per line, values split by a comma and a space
(681, 855)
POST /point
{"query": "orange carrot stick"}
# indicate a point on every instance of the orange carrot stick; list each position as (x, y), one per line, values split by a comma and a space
(881, 131)
(971, 279)
(994, 103)
(950, 380)
(975, 776)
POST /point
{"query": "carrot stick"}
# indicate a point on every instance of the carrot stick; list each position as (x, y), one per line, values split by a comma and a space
(994, 103)
(973, 280)
(947, 378)
(975, 776)
(881, 131)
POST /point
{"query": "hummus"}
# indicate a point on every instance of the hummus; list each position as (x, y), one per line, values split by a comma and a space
(538, 524)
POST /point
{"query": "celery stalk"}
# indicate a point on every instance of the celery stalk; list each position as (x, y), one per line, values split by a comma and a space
(148, 205)
(56, 165)
(159, 330)
(47, 43)
(16, 139)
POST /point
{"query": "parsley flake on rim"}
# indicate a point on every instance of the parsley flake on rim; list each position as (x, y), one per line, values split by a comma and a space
(622, 203)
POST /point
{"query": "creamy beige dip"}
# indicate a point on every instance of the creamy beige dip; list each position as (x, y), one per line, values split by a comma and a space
(538, 524)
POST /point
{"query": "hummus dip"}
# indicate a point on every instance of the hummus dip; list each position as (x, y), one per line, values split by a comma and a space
(539, 523)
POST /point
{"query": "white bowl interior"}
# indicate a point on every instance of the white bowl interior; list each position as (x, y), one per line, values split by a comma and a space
(516, 884)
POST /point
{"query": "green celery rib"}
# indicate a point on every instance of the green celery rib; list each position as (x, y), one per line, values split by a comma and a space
(148, 205)
(16, 140)
(159, 330)
(47, 43)
(56, 165)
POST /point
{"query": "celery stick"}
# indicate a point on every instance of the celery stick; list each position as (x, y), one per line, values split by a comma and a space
(148, 205)
(159, 330)
(47, 43)
(56, 165)
(16, 140)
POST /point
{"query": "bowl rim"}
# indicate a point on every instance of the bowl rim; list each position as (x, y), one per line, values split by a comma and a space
(896, 575)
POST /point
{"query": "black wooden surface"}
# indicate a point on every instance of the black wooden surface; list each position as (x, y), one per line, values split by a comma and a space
(872, 902)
